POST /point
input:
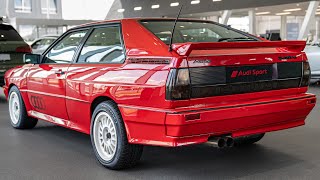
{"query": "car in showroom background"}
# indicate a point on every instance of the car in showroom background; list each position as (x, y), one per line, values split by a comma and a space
(313, 53)
(12, 49)
(41, 44)
(130, 83)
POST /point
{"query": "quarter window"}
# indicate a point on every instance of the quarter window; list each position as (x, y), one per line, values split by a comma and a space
(64, 50)
(23, 6)
(104, 45)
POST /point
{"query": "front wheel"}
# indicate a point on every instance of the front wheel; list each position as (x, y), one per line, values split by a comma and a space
(18, 114)
(109, 138)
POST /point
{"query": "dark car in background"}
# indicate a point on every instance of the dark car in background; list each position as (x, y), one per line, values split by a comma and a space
(12, 48)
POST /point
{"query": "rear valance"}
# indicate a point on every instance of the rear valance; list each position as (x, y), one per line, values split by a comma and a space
(185, 49)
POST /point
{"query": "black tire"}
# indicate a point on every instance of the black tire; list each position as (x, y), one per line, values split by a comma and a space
(248, 140)
(126, 155)
(23, 121)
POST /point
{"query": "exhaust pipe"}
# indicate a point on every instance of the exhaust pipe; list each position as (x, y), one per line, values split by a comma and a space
(217, 142)
(229, 141)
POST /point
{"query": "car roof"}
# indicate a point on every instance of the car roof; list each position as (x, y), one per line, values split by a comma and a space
(135, 19)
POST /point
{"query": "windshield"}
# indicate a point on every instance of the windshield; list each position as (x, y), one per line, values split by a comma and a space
(194, 31)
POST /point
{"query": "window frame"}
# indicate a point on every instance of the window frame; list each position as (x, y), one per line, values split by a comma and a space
(23, 8)
(47, 9)
(88, 29)
(117, 24)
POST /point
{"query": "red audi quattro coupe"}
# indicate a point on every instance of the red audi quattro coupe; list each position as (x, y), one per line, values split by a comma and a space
(132, 82)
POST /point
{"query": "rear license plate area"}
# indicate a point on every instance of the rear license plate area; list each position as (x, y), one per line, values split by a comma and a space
(5, 57)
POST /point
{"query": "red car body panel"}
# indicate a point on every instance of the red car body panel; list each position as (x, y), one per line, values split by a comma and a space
(139, 89)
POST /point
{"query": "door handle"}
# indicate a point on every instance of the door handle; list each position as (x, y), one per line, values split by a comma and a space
(59, 72)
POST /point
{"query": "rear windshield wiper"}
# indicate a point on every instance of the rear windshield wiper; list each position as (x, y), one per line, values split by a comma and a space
(236, 39)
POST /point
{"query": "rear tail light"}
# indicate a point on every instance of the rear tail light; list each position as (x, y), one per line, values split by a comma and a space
(24, 49)
(178, 85)
(306, 74)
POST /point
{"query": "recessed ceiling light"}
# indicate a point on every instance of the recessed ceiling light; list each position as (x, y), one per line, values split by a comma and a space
(216, 0)
(174, 4)
(291, 10)
(121, 10)
(262, 13)
(284, 13)
(137, 8)
(155, 6)
(195, 2)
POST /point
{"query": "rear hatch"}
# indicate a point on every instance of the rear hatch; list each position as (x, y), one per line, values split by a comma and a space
(225, 65)
(227, 68)
(12, 48)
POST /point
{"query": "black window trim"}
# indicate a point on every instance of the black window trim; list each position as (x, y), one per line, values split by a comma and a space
(113, 24)
(89, 29)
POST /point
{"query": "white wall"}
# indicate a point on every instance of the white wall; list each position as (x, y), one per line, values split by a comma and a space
(266, 23)
(85, 9)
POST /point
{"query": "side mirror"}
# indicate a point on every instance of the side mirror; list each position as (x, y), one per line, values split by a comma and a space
(32, 58)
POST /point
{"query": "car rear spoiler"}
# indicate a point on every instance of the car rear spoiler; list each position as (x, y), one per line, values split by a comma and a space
(184, 49)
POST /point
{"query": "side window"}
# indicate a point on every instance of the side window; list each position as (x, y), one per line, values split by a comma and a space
(65, 49)
(104, 45)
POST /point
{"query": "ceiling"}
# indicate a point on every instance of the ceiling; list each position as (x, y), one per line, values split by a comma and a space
(297, 9)
(203, 8)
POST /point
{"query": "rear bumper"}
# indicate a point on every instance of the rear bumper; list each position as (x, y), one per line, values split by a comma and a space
(236, 120)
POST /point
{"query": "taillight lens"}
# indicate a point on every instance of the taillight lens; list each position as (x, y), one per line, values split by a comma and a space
(24, 49)
(178, 85)
(306, 74)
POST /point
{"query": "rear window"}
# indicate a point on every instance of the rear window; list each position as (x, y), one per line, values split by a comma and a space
(8, 33)
(194, 31)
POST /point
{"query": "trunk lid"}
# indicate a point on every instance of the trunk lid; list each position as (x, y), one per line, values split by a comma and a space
(230, 68)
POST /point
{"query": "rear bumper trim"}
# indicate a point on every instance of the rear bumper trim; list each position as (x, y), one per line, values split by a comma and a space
(177, 111)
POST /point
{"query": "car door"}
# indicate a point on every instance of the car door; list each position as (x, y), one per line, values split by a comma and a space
(99, 63)
(46, 82)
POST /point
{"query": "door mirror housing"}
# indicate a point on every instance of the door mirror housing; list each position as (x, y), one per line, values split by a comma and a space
(32, 58)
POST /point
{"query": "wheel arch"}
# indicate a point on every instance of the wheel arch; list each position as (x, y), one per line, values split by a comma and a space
(11, 85)
(97, 100)
(24, 96)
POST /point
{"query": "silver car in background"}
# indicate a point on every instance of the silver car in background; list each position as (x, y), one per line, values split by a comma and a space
(41, 44)
(313, 53)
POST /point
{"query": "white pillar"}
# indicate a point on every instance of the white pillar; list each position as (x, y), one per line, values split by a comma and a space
(213, 18)
(225, 16)
(252, 22)
(283, 29)
(317, 30)
(310, 15)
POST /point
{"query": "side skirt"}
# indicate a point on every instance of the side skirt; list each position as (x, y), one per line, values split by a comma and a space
(55, 120)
